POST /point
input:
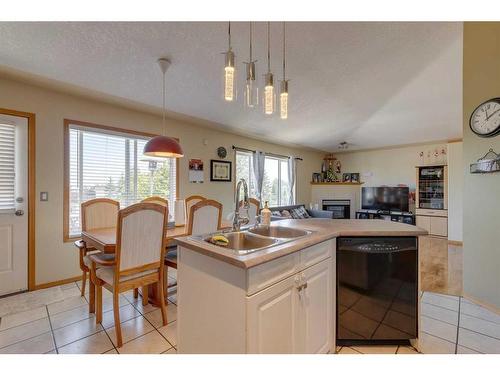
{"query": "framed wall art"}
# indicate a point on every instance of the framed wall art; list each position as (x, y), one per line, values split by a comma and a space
(220, 171)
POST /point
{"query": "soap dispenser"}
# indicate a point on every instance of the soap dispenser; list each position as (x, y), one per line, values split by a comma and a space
(265, 213)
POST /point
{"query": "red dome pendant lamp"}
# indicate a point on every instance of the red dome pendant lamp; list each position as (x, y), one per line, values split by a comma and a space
(161, 145)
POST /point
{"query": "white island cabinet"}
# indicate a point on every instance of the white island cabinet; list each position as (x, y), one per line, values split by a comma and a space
(285, 305)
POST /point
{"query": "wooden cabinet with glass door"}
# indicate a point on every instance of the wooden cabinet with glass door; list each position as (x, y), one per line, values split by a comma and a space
(431, 199)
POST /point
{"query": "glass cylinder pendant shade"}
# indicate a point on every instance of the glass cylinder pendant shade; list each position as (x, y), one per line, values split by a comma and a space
(269, 95)
(251, 88)
(229, 77)
(284, 100)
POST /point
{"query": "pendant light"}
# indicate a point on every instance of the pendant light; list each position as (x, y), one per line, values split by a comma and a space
(251, 89)
(163, 146)
(284, 84)
(269, 96)
(229, 72)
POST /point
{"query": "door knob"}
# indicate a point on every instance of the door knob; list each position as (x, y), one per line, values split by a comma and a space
(19, 212)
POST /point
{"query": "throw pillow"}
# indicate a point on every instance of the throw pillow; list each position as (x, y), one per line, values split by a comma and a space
(286, 213)
(276, 213)
(302, 212)
(295, 213)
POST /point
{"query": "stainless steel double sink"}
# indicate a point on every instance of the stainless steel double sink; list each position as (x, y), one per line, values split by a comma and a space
(257, 238)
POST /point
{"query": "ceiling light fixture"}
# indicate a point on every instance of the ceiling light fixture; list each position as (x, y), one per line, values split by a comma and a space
(284, 83)
(269, 96)
(229, 73)
(163, 146)
(251, 89)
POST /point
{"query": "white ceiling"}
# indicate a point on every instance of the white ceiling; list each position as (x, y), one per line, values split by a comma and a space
(370, 84)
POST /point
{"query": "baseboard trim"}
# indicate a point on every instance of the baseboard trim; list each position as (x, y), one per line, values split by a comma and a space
(58, 282)
(456, 243)
(486, 305)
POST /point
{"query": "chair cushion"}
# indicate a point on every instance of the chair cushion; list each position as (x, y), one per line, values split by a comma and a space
(171, 256)
(107, 274)
(88, 262)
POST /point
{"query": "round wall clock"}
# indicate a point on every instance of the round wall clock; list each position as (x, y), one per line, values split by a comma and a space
(222, 152)
(485, 120)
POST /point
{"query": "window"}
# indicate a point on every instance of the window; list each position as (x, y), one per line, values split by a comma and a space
(108, 163)
(275, 188)
(7, 167)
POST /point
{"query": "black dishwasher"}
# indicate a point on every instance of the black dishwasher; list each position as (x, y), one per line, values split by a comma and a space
(377, 290)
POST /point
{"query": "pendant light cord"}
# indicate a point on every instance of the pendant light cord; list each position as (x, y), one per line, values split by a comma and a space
(250, 42)
(229, 34)
(268, 48)
(163, 114)
(284, 58)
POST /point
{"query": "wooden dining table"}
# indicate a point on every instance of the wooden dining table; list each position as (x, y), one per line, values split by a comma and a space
(104, 240)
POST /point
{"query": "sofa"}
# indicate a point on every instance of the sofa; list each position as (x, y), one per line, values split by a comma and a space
(297, 212)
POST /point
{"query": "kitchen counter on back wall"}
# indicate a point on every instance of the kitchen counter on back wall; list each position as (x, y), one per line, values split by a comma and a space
(281, 299)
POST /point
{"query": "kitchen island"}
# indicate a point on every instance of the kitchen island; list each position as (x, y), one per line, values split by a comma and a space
(280, 299)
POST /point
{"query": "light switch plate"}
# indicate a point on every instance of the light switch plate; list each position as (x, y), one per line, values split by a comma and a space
(44, 196)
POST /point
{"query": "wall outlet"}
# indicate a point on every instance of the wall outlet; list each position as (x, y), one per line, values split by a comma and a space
(44, 196)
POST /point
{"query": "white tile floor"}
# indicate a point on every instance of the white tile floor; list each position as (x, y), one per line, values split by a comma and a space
(449, 325)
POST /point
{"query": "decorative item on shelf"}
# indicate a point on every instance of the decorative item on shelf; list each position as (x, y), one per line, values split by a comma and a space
(196, 171)
(318, 177)
(489, 163)
(163, 146)
(332, 168)
(346, 177)
(222, 152)
(220, 171)
(355, 177)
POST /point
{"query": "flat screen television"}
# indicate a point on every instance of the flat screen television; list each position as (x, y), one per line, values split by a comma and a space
(385, 198)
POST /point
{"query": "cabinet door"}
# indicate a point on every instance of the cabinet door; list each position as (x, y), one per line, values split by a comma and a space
(316, 309)
(439, 226)
(424, 222)
(272, 318)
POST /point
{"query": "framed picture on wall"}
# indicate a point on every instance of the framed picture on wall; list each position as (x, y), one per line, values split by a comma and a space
(354, 177)
(346, 177)
(220, 171)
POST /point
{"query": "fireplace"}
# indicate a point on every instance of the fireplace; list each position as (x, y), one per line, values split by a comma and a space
(341, 208)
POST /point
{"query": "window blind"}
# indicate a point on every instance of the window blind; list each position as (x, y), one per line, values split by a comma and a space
(7, 167)
(108, 164)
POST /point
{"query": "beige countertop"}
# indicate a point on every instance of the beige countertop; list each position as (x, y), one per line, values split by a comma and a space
(323, 230)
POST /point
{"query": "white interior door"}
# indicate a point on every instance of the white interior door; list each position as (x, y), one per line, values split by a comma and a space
(13, 204)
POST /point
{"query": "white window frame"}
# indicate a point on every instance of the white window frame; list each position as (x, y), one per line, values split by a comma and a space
(131, 144)
(250, 173)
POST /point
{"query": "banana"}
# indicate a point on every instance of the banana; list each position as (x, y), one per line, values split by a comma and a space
(220, 238)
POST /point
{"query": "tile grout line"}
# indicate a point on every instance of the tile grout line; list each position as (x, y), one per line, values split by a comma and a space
(112, 343)
(156, 329)
(52, 331)
(458, 324)
(441, 307)
(23, 340)
(20, 325)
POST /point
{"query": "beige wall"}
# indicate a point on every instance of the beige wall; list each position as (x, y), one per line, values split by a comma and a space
(481, 81)
(56, 260)
(456, 171)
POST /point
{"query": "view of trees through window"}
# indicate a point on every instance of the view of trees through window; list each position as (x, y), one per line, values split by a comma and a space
(110, 165)
(275, 187)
